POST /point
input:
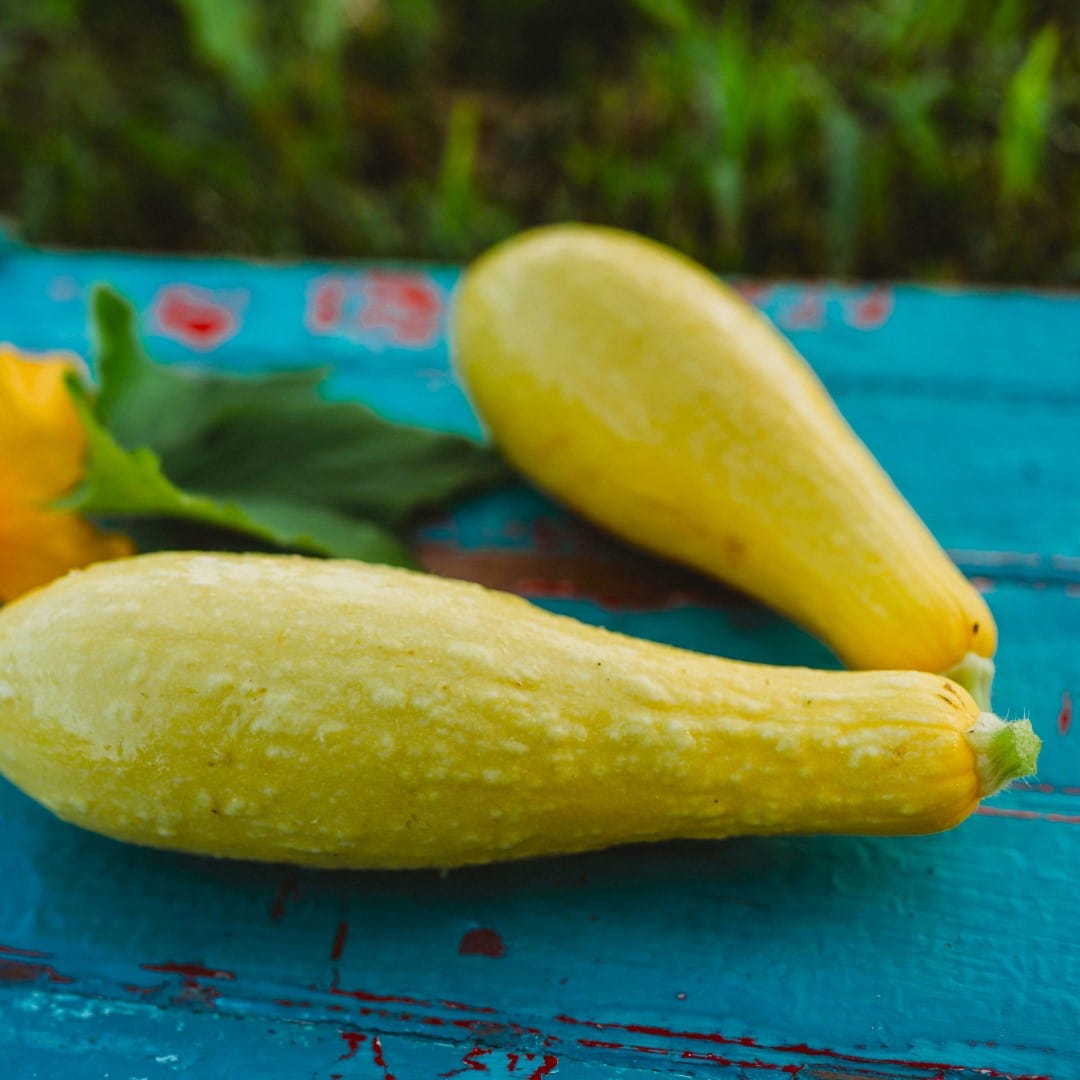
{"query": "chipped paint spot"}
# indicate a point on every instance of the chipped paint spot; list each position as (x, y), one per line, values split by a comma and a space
(482, 942)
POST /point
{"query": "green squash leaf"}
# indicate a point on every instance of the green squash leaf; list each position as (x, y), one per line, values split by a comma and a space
(120, 482)
(267, 457)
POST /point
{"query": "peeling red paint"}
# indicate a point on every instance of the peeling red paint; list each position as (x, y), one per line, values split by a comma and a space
(397, 999)
(470, 1063)
(191, 971)
(193, 990)
(16, 971)
(353, 1039)
(793, 1048)
(1065, 716)
(380, 1059)
(199, 318)
(11, 950)
(1027, 815)
(482, 941)
(871, 311)
(806, 313)
(719, 1059)
(661, 1032)
(338, 945)
(486, 1028)
(549, 1063)
(289, 887)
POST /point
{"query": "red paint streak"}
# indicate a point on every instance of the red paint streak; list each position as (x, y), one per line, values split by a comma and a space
(807, 313)
(811, 1051)
(33, 953)
(194, 316)
(290, 886)
(687, 1055)
(870, 311)
(401, 306)
(550, 1061)
(364, 995)
(470, 1059)
(1028, 815)
(325, 305)
(286, 1003)
(1002, 811)
(393, 999)
(338, 947)
(800, 1048)
(467, 1008)
(636, 1047)
(717, 1059)
(1046, 789)
(1065, 716)
(406, 305)
(191, 971)
(193, 990)
(482, 942)
(353, 1039)
(549, 1064)
(471, 1025)
(390, 999)
(379, 1059)
(511, 1062)
(17, 971)
(469, 1062)
(660, 1032)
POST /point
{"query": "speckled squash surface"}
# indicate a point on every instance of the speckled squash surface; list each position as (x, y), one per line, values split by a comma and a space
(342, 714)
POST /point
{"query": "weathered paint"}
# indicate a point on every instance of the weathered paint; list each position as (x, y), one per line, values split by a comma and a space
(952, 956)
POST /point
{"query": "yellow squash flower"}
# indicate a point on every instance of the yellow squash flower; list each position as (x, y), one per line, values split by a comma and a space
(42, 446)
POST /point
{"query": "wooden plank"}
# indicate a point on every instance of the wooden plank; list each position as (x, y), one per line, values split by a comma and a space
(951, 956)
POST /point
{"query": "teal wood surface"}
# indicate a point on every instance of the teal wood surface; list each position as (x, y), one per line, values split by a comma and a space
(950, 956)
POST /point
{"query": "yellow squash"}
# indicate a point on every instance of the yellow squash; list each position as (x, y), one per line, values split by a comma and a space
(633, 385)
(340, 714)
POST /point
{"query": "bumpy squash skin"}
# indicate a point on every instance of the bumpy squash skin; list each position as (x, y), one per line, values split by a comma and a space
(338, 714)
(634, 386)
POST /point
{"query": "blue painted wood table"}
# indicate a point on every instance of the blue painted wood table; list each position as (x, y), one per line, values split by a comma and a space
(949, 956)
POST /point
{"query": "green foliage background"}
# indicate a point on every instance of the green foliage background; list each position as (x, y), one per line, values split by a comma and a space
(903, 138)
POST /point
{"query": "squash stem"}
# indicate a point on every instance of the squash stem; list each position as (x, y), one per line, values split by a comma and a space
(1003, 752)
(975, 674)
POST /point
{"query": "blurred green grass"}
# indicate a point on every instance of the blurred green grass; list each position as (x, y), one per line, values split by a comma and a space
(883, 138)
